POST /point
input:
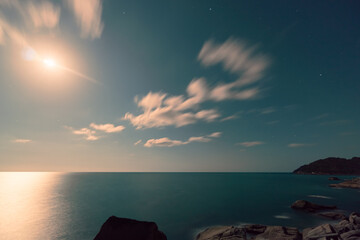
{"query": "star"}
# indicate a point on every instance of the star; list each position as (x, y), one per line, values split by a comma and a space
(320, 74)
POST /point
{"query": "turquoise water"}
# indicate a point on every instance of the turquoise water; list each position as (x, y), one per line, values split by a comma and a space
(74, 205)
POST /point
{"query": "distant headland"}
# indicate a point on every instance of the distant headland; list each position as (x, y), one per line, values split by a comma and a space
(331, 166)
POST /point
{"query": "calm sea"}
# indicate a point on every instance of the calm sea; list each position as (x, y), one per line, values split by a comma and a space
(73, 206)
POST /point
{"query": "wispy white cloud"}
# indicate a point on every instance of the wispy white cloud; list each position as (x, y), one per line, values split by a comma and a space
(33, 14)
(90, 133)
(161, 110)
(167, 142)
(163, 142)
(137, 142)
(22, 140)
(43, 14)
(250, 144)
(87, 133)
(335, 122)
(262, 111)
(296, 145)
(88, 15)
(237, 58)
(199, 139)
(215, 134)
(10, 33)
(347, 133)
(108, 128)
(321, 116)
(273, 122)
(231, 117)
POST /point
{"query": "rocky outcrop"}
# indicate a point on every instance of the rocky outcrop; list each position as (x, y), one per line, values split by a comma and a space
(332, 166)
(309, 206)
(334, 179)
(127, 229)
(255, 228)
(322, 231)
(280, 233)
(353, 183)
(222, 233)
(248, 231)
(347, 229)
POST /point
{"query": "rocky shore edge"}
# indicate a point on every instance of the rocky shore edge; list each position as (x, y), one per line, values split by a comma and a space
(348, 228)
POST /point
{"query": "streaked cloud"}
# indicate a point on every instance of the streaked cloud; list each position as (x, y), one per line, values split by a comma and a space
(231, 117)
(9, 33)
(335, 123)
(108, 128)
(33, 15)
(88, 15)
(296, 145)
(199, 139)
(321, 116)
(160, 109)
(91, 133)
(215, 134)
(22, 140)
(237, 58)
(163, 142)
(167, 142)
(250, 144)
(43, 14)
(137, 142)
(87, 133)
(262, 111)
(273, 122)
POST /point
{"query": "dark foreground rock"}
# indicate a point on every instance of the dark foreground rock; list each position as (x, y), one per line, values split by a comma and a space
(347, 229)
(352, 183)
(127, 229)
(309, 206)
(332, 166)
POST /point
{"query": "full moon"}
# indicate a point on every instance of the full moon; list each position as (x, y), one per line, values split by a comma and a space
(49, 62)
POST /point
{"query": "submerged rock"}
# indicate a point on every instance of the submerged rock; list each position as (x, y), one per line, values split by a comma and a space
(334, 179)
(128, 229)
(222, 233)
(353, 183)
(333, 215)
(309, 206)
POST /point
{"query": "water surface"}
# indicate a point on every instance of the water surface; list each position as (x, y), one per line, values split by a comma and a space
(73, 206)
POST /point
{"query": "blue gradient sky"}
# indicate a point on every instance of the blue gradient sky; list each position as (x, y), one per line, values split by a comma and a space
(290, 71)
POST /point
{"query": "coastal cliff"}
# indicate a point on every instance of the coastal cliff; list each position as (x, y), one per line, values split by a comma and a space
(331, 166)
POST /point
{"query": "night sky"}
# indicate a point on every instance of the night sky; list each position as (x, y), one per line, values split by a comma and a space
(249, 86)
